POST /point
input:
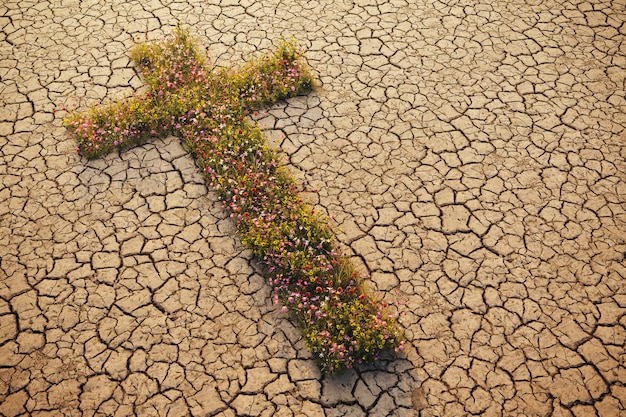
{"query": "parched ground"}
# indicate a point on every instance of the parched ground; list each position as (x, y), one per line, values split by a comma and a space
(473, 154)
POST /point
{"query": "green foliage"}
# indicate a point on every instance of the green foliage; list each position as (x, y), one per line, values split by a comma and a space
(342, 325)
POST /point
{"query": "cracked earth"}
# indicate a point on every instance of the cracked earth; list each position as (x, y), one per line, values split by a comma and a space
(473, 155)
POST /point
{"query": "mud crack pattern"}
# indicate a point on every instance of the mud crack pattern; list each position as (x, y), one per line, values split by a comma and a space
(473, 155)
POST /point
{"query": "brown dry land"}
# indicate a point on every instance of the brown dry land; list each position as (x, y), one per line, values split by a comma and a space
(473, 154)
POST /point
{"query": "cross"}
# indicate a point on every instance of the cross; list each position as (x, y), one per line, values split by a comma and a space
(208, 108)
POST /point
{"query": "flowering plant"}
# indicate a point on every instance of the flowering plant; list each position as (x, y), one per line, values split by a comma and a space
(342, 324)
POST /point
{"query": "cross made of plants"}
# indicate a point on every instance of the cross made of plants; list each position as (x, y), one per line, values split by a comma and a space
(342, 324)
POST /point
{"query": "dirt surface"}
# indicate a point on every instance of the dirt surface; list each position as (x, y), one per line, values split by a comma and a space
(473, 155)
